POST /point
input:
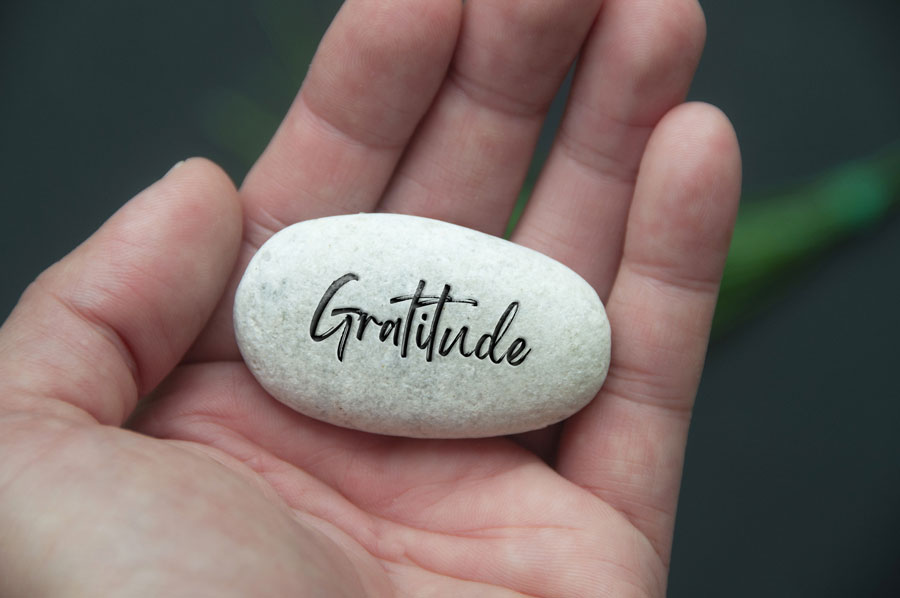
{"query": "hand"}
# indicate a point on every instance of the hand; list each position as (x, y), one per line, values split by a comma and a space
(431, 108)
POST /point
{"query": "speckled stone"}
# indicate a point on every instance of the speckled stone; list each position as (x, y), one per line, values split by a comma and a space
(351, 320)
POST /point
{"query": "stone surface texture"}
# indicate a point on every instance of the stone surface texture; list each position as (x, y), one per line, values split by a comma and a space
(369, 259)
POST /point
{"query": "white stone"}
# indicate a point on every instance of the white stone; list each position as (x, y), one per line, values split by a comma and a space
(540, 363)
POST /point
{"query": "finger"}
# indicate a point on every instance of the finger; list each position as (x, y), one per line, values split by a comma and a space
(104, 325)
(469, 158)
(637, 65)
(373, 77)
(627, 446)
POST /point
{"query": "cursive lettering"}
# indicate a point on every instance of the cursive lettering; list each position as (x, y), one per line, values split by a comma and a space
(424, 335)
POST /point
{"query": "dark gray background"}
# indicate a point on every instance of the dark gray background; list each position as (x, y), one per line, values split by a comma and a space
(792, 482)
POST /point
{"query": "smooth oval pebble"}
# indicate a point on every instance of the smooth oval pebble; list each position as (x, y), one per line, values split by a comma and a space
(414, 327)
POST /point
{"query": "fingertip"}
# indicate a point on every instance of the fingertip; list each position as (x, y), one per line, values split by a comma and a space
(702, 131)
(693, 158)
(203, 185)
(687, 195)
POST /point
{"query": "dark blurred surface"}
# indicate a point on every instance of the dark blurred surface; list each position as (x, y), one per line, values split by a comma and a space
(792, 482)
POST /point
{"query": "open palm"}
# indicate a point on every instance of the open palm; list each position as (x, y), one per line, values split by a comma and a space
(430, 108)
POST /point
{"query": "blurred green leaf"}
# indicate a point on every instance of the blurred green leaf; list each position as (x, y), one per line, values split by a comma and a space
(778, 232)
(242, 122)
(292, 29)
(519, 207)
(239, 124)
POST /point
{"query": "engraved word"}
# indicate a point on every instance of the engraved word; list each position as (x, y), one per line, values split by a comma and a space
(399, 330)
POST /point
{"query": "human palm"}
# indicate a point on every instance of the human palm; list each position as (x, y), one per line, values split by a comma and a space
(430, 108)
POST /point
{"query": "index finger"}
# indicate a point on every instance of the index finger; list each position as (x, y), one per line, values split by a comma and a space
(371, 81)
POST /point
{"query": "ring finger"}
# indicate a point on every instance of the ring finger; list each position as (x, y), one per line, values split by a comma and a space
(637, 65)
(470, 155)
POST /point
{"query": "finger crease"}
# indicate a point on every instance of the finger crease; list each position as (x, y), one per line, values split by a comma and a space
(596, 161)
(629, 508)
(493, 99)
(665, 275)
(634, 386)
(255, 232)
(106, 332)
(367, 139)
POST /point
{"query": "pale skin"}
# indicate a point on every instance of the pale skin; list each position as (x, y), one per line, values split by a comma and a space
(140, 457)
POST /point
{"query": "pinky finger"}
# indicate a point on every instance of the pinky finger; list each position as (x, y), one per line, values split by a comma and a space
(628, 445)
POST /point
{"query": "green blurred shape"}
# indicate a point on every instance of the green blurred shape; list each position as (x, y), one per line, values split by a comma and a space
(777, 233)
(238, 124)
(242, 122)
(519, 206)
(293, 30)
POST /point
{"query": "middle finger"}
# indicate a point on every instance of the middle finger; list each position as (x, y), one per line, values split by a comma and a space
(471, 153)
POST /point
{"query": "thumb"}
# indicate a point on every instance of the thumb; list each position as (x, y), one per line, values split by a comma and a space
(104, 325)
